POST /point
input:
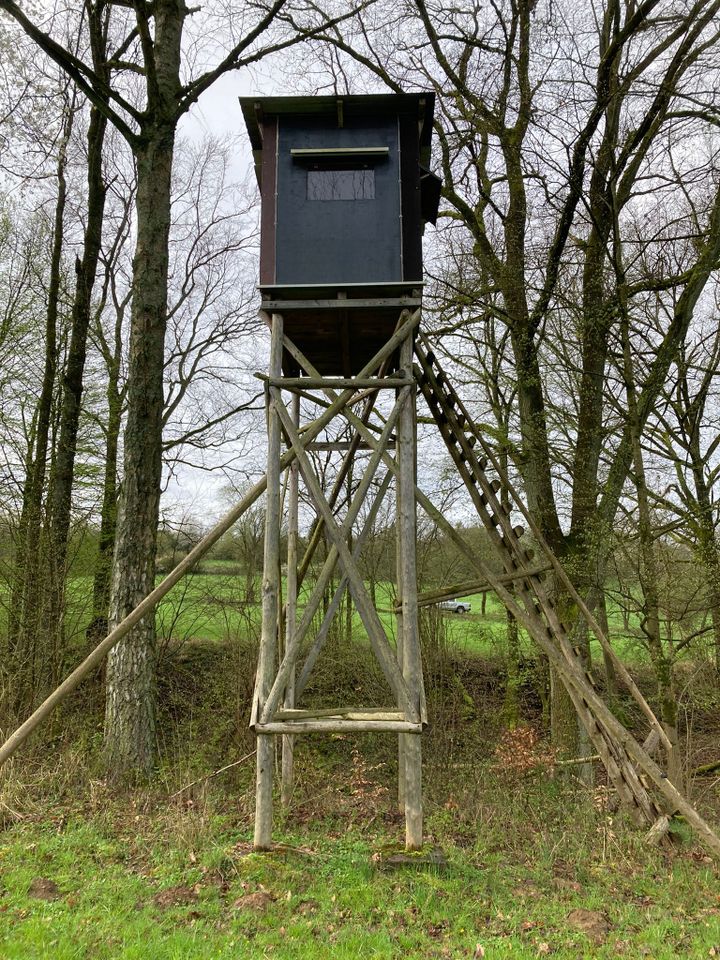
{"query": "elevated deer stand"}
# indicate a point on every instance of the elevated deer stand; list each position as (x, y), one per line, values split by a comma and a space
(279, 686)
(345, 194)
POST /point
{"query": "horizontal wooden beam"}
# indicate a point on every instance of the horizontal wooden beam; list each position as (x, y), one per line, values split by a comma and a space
(321, 445)
(337, 383)
(340, 713)
(339, 726)
(364, 303)
(477, 586)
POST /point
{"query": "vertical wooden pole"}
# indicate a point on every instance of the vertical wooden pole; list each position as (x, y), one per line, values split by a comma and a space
(288, 746)
(270, 604)
(399, 573)
(411, 659)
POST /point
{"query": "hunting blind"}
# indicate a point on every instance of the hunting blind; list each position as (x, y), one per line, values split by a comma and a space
(346, 191)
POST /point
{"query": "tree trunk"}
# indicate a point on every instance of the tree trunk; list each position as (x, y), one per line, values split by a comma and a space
(662, 660)
(707, 543)
(98, 626)
(61, 480)
(31, 545)
(130, 741)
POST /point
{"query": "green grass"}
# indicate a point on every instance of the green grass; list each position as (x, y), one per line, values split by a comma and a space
(214, 606)
(180, 885)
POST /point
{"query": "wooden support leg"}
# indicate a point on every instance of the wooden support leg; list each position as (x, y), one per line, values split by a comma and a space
(288, 747)
(399, 633)
(411, 753)
(270, 604)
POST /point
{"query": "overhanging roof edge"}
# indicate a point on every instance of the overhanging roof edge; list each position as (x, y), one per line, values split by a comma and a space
(352, 104)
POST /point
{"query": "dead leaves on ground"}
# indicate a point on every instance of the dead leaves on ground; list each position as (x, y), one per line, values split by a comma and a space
(258, 901)
(178, 896)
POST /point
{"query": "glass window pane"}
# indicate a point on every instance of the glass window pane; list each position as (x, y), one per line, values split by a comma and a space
(341, 185)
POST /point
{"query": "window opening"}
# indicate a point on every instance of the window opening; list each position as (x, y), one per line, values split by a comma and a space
(344, 184)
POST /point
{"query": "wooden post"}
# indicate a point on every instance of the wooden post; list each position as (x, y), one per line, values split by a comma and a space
(270, 602)
(399, 629)
(288, 747)
(411, 754)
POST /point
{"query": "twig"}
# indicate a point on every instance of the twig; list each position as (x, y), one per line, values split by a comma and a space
(574, 760)
(706, 768)
(215, 773)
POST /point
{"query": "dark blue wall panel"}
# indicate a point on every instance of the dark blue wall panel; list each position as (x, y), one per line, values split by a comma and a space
(337, 241)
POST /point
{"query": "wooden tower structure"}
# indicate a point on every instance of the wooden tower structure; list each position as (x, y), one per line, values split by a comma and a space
(346, 192)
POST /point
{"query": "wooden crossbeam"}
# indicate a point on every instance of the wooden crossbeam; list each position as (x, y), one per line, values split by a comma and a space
(405, 322)
(334, 605)
(336, 383)
(368, 614)
(342, 446)
(476, 586)
(293, 647)
(356, 303)
(339, 726)
(341, 713)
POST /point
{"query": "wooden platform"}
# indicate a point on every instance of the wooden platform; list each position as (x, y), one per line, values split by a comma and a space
(339, 329)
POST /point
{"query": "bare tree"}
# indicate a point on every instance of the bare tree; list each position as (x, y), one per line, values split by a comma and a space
(158, 69)
(563, 134)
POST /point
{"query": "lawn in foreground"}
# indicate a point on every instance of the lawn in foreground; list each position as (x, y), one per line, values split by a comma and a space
(175, 887)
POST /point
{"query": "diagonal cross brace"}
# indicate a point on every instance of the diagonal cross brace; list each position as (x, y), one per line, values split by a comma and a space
(293, 648)
(368, 614)
(322, 633)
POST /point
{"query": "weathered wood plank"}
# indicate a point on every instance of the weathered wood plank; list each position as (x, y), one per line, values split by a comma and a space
(342, 446)
(288, 749)
(337, 383)
(270, 605)
(411, 659)
(339, 726)
(357, 303)
(340, 713)
(476, 586)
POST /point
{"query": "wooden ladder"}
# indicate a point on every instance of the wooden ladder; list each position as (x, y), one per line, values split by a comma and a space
(532, 606)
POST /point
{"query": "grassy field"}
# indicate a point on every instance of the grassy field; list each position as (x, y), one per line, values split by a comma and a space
(535, 865)
(166, 880)
(215, 606)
